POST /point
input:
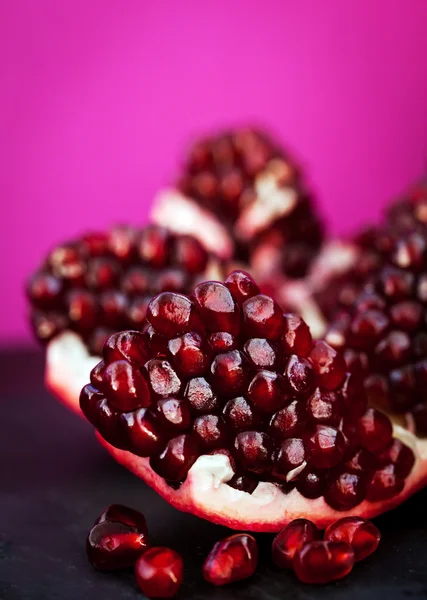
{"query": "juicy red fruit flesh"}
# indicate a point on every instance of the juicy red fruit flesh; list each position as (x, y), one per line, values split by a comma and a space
(231, 559)
(362, 535)
(159, 572)
(320, 562)
(112, 545)
(292, 538)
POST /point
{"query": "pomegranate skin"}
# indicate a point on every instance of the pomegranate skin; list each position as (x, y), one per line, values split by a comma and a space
(320, 562)
(361, 534)
(292, 538)
(111, 545)
(159, 572)
(231, 559)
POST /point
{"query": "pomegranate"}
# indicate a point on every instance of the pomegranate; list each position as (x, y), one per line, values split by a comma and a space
(323, 561)
(231, 559)
(159, 572)
(250, 437)
(362, 535)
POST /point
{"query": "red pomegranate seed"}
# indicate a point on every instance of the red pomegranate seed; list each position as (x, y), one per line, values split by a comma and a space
(153, 246)
(66, 262)
(402, 383)
(296, 338)
(217, 307)
(47, 325)
(262, 318)
(222, 341)
(189, 254)
(368, 327)
(374, 430)
(142, 432)
(114, 307)
(125, 387)
(102, 273)
(89, 400)
(173, 414)
(190, 353)
(137, 281)
(108, 424)
(177, 458)
(267, 391)
(159, 572)
(243, 483)
(292, 538)
(289, 422)
(299, 375)
(384, 484)
(324, 407)
(361, 534)
(326, 447)
(82, 310)
(111, 545)
(129, 345)
(97, 374)
(396, 284)
(394, 349)
(172, 314)
(162, 378)
(320, 562)
(290, 455)
(230, 372)
(172, 279)
(345, 490)
(353, 395)
(126, 515)
(328, 364)
(200, 396)
(310, 483)
(361, 462)
(231, 559)
(137, 311)
(241, 285)
(261, 353)
(240, 414)
(210, 432)
(95, 243)
(254, 451)
(45, 290)
(122, 243)
(399, 455)
(407, 315)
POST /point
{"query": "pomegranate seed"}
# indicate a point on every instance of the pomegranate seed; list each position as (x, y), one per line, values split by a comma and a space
(173, 414)
(323, 561)
(95, 244)
(217, 307)
(420, 417)
(267, 391)
(89, 400)
(163, 380)
(243, 483)
(384, 484)
(242, 286)
(97, 374)
(172, 279)
(354, 399)
(111, 545)
(396, 284)
(123, 514)
(400, 456)
(261, 353)
(374, 430)
(402, 384)
(82, 310)
(254, 451)
(368, 327)
(108, 425)
(129, 345)
(153, 246)
(230, 372)
(345, 490)
(210, 431)
(177, 458)
(172, 314)
(299, 375)
(310, 484)
(222, 341)
(328, 364)
(157, 343)
(360, 462)
(136, 282)
(102, 273)
(289, 456)
(189, 254)
(410, 252)
(296, 338)
(142, 432)
(324, 407)
(114, 306)
(361, 534)
(47, 325)
(292, 538)
(44, 290)
(289, 422)
(200, 396)
(326, 447)
(159, 572)
(231, 559)
(122, 243)
(262, 317)
(394, 349)
(406, 315)
(239, 414)
(67, 262)
(190, 353)
(125, 387)
(137, 312)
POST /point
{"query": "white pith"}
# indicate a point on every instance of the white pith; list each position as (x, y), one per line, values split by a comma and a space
(205, 491)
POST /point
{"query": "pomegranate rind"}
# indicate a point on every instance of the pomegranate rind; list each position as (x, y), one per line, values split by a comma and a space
(205, 492)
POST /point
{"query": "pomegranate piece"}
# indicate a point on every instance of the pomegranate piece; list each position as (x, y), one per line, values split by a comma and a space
(112, 545)
(320, 562)
(232, 559)
(159, 572)
(123, 514)
(292, 538)
(362, 535)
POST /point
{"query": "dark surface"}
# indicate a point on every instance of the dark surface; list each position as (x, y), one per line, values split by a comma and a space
(56, 479)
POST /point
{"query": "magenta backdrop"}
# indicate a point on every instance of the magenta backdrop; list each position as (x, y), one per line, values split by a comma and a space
(99, 97)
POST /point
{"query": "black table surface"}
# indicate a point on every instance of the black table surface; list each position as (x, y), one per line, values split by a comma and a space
(55, 479)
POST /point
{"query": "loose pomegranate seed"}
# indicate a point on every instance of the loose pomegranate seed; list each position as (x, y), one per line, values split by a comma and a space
(124, 514)
(241, 285)
(328, 364)
(125, 386)
(384, 484)
(326, 447)
(345, 490)
(292, 538)
(267, 391)
(112, 545)
(142, 432)
(222, 341)
(173, 414)
(240, 414)
(159, 572)
(190, 353)
(320, 562)
(296, 338)
(254, 451)
(177, 458)
(361, 534)
(374, 430)
(217, 307)
(231, 559)
(210, 431)
(261, 353)
(262, 317)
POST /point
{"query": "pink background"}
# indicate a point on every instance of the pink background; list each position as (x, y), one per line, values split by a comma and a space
(99, 97)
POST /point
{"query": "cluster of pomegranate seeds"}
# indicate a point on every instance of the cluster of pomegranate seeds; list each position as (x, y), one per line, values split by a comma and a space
(103, 282)
(279, 404)
(299, 546)
(231, 559)
(229, 173)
